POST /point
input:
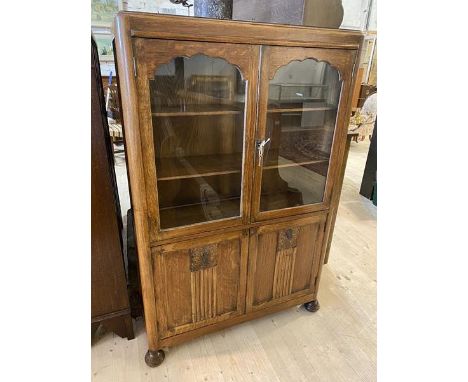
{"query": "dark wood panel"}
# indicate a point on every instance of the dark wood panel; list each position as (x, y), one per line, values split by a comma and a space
(370, 170)
(109, 298)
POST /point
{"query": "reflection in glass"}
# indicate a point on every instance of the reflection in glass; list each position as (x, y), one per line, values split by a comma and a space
(197, 106)
(301, 116)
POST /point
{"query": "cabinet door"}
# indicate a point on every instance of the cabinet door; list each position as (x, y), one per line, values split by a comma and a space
(200, 282)
(196, 107)
(284, 260)
(303, 114)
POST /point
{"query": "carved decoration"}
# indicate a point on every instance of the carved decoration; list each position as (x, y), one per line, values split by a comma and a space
(284, 272)
(151, 69)
(202, 257)
(273, 69)
(204, 295)
(287, 238)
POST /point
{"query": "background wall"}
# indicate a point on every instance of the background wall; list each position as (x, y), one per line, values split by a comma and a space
(356, 12)
(359, 14)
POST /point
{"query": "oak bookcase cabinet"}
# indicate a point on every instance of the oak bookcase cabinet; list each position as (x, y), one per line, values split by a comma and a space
(235, 134)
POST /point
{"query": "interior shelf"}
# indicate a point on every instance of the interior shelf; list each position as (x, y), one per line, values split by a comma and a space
(292, 158)
(198, 166)
(289, 198)
(284, 162)
(211, 165)
(296, 109)
(293, 129)
(197, 213)
(226, 208)
(194, 110)
(295, 85)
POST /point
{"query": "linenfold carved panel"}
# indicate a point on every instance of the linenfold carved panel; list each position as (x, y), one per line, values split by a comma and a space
(284, 272)
(203, 280)
(204, 295)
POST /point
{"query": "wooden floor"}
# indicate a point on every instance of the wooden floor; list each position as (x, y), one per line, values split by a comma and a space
(338, 343)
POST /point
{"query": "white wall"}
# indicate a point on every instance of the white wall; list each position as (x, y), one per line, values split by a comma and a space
(356, 13)
(157, 6)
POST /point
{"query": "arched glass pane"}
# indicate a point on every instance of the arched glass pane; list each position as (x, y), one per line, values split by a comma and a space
(197, 107)
(301, 117)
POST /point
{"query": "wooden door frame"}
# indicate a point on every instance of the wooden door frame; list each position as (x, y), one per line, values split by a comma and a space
(273, 58)
(151, 53)
(159, 269)
(318, 218)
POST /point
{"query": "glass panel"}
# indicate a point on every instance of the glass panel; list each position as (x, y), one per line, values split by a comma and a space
(197, 107)
(301, 116)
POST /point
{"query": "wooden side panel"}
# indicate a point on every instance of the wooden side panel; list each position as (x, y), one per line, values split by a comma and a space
(284, 261)
(199, 282)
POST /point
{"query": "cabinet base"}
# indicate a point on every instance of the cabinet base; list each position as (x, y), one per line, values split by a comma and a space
(154, 358)
(312, 306)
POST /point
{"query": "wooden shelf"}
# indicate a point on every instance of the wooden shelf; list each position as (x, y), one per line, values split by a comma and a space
(283, 162)
(290, 198)
(293, 129)
(223, 164)
(302, 109)
(195, 213)
(199, 166)
(296, 85)
(291, 160)
(196, 110)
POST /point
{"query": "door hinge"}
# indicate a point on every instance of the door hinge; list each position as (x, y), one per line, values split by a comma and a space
(134, 67)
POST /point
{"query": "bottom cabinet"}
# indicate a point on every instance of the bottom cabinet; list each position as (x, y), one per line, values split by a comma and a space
(284, 261)
(200, 282)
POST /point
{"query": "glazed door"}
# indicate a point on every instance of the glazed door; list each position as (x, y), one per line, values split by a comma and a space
(196, 107)
(200, 282)
(284, 260)
(301, 129)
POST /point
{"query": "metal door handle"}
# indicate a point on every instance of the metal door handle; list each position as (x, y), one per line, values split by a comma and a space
(261, 148)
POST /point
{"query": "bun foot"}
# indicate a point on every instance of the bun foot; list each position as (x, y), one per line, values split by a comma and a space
(312, 306)
(154, 358)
